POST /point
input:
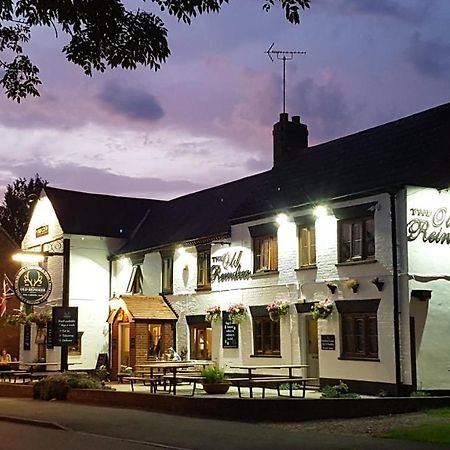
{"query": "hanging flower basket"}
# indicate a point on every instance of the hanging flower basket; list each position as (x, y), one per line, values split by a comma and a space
(352, 284)
(39, 318)
(237, 313)
(322, 309)
(213, 313)
(277, 309)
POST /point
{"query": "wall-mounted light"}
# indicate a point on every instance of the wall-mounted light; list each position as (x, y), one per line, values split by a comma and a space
(282, 219)
(181, 250)
(320, 211)
(29, 257)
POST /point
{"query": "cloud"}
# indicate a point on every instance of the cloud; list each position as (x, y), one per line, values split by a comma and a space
(89, 179)
(323, 107)
(130, 102)
(430, 58)
(414, 12)
(257, 165)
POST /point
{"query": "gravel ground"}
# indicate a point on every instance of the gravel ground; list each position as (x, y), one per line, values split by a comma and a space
(372, 426)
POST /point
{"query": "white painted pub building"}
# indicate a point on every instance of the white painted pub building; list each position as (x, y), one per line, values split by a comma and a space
(362, 221)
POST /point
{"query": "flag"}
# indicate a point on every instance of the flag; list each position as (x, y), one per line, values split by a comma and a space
(8, 292)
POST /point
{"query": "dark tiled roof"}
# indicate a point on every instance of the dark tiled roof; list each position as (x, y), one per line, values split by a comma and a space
(193, 216)
(411, 151)
(99, 215)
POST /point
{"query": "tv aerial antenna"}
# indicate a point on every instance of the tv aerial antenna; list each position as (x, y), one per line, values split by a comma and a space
(284, 56)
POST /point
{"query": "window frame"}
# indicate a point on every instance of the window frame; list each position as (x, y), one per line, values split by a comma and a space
(204, 267)
(136, 283)
(262, 324)
(271, 254)
(167, 272)
(310, 245)
(349, 345)
(365, 242)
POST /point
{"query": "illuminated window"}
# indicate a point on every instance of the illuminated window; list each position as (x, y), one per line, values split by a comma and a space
(136, 281)
(356, 239)
(307, 245)
(155, 345)
(167, 272)
(204, 267)
(265, 247)
(201, 341)
(75, 349)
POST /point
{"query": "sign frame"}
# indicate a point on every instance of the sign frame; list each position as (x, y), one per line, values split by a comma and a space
(65, 325)
(33, 290)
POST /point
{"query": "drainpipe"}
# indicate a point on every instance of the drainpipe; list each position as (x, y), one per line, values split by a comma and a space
(395, 279)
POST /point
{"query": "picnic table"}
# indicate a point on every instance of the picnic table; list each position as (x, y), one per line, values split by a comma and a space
(170, 366)
(251, 380)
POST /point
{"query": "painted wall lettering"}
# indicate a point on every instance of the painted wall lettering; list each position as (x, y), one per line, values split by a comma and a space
(432, 225)
(227, 267)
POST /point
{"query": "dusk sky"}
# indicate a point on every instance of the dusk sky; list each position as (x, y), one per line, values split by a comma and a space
(206, 117)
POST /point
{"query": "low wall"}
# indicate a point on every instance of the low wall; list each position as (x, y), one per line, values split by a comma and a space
(249, 410)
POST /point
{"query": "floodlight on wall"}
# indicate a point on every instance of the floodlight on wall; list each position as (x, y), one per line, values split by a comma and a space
(282, 219)
(29, 257)
(321, 211)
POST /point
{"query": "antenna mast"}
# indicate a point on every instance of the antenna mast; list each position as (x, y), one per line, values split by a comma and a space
(283, 56)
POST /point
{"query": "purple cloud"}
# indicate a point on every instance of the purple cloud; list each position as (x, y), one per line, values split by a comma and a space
(130, 102)
(430, 58)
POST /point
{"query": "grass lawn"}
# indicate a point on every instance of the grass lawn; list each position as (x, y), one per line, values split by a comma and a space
(435, 432)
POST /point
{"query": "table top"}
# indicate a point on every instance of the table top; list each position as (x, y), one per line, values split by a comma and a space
(167, 365)
(37, 363)
(271, 366)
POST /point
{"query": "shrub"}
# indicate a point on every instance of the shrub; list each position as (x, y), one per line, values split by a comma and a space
(337, 391)
(213, 374)
(57, 386)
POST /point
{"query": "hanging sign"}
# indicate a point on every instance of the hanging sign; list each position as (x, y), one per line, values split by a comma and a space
(32, 285)
(65, 325)
(27, 337)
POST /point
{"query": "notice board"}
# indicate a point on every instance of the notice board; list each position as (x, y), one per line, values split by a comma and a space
(65, 325)
(328, 342)
(230, 332)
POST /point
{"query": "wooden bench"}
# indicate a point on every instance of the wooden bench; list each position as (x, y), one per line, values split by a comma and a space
(271, 383)
(194, 379)
(152, 382)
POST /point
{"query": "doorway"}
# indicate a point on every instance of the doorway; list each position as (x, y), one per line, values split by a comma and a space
(312, 347)
(124, 345)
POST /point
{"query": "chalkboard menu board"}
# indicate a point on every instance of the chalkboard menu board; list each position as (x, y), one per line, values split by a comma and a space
(328, 342)
(50, 335)
(65, 325)
(27, 337)
(230, 332)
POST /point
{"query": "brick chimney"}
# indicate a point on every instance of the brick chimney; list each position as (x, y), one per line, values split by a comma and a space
(288, 137)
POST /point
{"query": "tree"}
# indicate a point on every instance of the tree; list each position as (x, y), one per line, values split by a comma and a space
(102, 34)
(18, 205)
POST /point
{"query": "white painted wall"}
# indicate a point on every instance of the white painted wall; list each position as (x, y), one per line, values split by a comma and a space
(428, 214)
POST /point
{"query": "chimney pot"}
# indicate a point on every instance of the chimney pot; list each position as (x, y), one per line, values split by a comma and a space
(296, 119)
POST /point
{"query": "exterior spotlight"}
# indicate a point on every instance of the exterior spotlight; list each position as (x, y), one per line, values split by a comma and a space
(181, 250)
(28, 257)
(282, 219)
(320, 211)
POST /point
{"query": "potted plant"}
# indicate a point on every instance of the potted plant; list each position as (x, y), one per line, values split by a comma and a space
(213, 313)
(332, 287)
(237, 312)
(352, 284)
(277, 309)
(214, 381)
(322, 309)
(378, 283)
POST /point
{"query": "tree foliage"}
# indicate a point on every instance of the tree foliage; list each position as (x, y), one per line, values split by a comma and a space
(18, 204)
(101, 34)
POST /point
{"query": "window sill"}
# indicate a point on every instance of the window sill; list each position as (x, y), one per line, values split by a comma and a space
(203, 289)
(265, 356)
(265, 273)
(301, 269)
(349, 358)
(356, 263)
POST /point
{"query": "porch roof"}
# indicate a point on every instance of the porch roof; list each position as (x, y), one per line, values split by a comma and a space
(148, 307)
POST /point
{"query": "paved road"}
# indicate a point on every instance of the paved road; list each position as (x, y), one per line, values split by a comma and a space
(71, 426)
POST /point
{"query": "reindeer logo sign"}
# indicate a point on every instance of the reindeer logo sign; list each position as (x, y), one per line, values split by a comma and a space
(33, 285)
